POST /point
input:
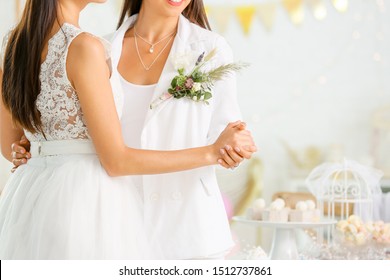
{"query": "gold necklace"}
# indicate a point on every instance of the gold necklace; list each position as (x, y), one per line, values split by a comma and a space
(147, 68)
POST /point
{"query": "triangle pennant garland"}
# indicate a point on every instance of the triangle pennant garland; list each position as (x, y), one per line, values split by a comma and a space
(295, 11)
(318, 8)
(245, 16)
(221, 17)
(267, 14)
(266, 10)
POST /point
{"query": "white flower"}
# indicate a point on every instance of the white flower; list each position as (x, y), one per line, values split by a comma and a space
(197, 86)
(184, 60)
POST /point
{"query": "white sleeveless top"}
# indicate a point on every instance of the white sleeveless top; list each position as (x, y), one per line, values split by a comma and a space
(136, 101)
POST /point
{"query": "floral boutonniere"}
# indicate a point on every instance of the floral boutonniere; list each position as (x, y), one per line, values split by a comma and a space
(197, 84)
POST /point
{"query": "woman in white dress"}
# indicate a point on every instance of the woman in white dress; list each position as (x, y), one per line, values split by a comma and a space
(68, 201)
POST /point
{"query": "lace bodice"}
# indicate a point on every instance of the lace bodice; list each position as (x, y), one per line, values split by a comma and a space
(58, 103)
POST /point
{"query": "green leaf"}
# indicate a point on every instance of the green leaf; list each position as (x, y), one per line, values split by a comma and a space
(174, 82)
(181, 80)
(207, 95)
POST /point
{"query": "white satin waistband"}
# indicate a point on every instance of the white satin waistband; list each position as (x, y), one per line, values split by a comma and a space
(61, 147)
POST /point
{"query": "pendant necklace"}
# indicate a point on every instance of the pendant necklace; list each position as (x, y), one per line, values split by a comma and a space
(152, 45)
(147, 68)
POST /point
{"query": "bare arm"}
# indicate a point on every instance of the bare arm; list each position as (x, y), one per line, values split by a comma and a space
(8, 132)
(89, 73)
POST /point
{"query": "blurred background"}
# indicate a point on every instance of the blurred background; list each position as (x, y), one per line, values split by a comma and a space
(317, 90)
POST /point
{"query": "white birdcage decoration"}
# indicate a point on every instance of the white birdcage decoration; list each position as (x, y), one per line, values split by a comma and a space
(342, 189)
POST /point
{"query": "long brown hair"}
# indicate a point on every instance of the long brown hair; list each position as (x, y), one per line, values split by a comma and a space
(22, 62)
(195, 12)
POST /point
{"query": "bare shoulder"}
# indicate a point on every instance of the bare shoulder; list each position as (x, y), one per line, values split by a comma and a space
(85, 47)
(86, 57)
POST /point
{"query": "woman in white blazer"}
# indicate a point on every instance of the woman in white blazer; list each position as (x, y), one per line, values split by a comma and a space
(190, 222)
(183, 222)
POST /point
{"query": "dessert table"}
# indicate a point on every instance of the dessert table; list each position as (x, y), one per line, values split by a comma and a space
(284, 244)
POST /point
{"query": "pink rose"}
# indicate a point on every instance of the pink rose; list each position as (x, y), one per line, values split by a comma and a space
(189, 83)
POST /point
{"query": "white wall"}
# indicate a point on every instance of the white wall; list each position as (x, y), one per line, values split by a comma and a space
(281, 95)
(282, 98)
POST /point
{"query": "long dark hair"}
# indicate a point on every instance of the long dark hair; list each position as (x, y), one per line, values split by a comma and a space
(22, 62)
(195, 12)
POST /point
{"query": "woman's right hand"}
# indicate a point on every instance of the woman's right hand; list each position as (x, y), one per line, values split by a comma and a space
(20, 152)
(234, 145)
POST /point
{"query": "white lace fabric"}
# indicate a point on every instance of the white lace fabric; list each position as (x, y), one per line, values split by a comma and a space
(58, 103)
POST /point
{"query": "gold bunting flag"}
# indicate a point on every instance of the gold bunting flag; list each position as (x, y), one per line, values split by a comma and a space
(294, 9)
(221, 17)
(245, 16)
(267, 14)
(318, 8)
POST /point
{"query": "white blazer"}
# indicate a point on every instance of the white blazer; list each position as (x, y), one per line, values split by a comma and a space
(184, 211)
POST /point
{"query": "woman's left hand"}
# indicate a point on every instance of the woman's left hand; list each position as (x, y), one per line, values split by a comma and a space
(20, 152)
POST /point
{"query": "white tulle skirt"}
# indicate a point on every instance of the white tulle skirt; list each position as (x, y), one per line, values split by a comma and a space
(67, 207)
